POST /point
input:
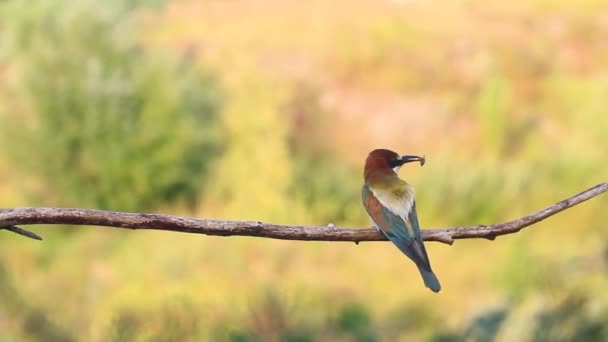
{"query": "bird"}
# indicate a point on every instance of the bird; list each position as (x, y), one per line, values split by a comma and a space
(390, 203)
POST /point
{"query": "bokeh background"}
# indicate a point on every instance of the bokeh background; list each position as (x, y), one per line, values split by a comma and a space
(265, 110)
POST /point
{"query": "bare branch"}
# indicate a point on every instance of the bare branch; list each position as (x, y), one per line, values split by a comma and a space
(24, 216)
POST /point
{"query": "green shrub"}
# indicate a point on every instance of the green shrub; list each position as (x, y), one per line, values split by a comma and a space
(96, 119)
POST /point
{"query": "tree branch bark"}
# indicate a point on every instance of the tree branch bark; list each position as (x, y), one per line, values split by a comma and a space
(73, 216)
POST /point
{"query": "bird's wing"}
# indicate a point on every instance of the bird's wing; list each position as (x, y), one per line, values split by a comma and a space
(404, 233)
(412, 221)
(392, 225)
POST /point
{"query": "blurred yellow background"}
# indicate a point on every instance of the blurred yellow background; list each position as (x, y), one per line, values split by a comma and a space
(265, 110)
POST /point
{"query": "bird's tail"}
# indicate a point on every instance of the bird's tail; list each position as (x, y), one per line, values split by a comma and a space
(430, 280)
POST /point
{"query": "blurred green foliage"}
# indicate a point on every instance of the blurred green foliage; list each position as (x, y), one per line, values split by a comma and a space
(35, 322)
(111, 123)
(175, 321)
(492, 110)
(570, 320)
(97, 109)
(320, 181)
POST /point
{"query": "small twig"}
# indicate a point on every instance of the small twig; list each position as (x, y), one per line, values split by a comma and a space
(22, 216)
(23, 232)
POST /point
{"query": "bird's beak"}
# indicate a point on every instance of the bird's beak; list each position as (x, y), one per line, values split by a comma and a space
(409, 159)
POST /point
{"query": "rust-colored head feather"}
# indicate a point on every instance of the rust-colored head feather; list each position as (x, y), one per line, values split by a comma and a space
(378, 163)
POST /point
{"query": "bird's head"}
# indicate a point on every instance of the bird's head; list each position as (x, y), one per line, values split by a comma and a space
(383, 161)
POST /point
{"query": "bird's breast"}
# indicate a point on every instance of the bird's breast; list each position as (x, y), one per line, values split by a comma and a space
(398, 200)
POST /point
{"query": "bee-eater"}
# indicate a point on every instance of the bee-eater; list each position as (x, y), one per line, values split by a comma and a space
(390, 203)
